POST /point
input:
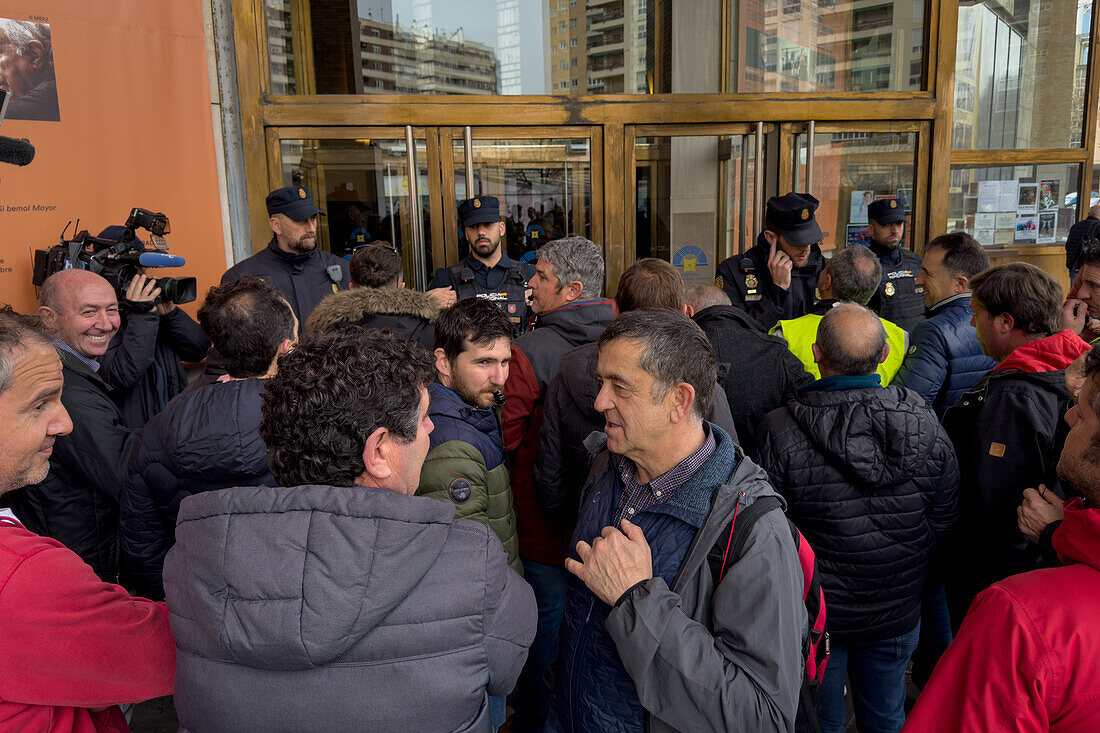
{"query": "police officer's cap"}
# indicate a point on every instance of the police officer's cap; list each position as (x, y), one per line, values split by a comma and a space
(479, 210)
(293, 201)
(886, 211)
(793, 216)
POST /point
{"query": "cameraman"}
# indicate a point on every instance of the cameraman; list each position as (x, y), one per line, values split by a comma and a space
(143, 362)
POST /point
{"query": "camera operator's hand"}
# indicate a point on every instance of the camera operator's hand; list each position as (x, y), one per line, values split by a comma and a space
(165, 307)
(142, 289)
(142, 292)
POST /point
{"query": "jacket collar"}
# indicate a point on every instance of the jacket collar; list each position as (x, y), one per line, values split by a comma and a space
(885, 254)
(447, 403)
(957, 299)
(1078, 538)
(597, 312)
(352, 306)
(727, 313)
(840, 382)
(293, 258)
(1047, 354)
(691, 502)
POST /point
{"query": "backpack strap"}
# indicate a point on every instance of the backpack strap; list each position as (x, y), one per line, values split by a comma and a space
(725, 553)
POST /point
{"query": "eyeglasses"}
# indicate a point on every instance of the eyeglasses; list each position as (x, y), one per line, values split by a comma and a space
(377, 245)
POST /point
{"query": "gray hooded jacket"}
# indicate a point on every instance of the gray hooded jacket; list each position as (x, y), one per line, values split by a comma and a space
(333, 609)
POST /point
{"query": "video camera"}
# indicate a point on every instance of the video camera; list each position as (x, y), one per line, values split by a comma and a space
(116, 254)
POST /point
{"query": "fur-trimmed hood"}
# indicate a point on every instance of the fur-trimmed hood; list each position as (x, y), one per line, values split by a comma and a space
(352, 306)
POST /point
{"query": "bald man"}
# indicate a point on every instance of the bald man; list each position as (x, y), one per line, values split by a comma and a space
(77, 503)
(873, 507)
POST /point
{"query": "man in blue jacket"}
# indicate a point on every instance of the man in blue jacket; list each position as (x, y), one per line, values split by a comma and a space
(650, 640)
(944, 358)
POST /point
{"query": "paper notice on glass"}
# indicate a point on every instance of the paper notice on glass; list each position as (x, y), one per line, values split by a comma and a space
(1004, 236)
(1006, 221)
(1028, 201)
(1048, 224)
(985, 221)
(989, 196)
(1009, 195)
(984, 236)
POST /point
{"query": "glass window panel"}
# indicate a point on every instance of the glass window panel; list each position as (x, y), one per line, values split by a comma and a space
(1020, 71)
(363, 188)
(502, 47)
(544, 187)
(852, 169)
(694, 200)
(826, 45)
(1013, 205)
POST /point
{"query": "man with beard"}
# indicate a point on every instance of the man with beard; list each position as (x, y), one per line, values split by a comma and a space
(777, 277)
(1025, 657)
(899, 299)
(487, 272)
(466, 466)
(292, 262)
(1081, 311)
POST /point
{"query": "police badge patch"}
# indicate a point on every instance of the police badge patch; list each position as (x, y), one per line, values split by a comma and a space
(751, 281)
(718, 282)
(460, 491)
(890, 289)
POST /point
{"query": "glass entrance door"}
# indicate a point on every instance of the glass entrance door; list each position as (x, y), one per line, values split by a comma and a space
(699, 190)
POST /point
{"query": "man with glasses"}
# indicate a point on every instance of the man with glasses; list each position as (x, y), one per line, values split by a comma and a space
(487, 272)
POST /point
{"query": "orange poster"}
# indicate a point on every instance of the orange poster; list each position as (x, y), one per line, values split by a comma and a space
(114, 97)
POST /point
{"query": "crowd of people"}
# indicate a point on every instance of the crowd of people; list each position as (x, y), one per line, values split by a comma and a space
(513, 501)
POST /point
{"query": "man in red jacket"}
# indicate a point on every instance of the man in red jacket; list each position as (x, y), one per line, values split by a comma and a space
(1026, 657)
(1007, 430)
(565, 294)
(74, 647)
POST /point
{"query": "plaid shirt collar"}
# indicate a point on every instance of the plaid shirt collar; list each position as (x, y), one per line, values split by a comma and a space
(90, 363)
(638, 498)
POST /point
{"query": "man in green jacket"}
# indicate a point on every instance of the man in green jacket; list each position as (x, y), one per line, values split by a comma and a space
(465, 465)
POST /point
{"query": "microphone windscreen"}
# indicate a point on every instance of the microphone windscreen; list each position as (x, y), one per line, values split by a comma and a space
(159, 259)
(16, 152)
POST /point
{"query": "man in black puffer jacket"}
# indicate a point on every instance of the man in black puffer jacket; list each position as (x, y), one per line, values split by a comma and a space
(207, 438)
(871, 479)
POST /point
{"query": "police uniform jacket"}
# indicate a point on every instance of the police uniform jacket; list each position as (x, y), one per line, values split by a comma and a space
(748, 282)
(304, 279)
(505, 283)
(898, 298)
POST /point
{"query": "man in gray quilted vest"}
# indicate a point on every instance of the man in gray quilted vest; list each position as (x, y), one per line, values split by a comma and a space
(339, 600)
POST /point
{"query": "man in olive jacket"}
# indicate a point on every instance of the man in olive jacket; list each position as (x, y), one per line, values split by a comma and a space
(465, 466)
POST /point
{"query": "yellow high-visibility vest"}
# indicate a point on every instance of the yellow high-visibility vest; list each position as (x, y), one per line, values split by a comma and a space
(801, 333)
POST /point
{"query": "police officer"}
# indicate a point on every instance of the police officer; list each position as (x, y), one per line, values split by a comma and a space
(899, 299)
(292, 262)
(777, 277)
(487, 272)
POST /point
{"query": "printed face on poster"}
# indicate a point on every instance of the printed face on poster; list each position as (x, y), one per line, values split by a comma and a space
(80, 76)
(1048, 195)
(860, 201)
(1027, 201)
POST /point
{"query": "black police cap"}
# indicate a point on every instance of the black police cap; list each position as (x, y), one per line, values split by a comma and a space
(886, 211)
(293, 201)
(479, 210)
(793, 215)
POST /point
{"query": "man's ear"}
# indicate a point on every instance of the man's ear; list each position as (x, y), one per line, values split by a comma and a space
(771, 237)
(885, 353)
(683, 397)
(817, 353)
(441, 364)
(287, 346)
(962, 284)
(376, 462)
(501, 228)
(35, 50)
(48, 316)
(688, 310)
(573, 291)
(276, 226)
(1005, 322)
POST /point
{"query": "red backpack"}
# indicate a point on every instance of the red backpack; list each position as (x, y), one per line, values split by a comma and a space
(815, 650)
